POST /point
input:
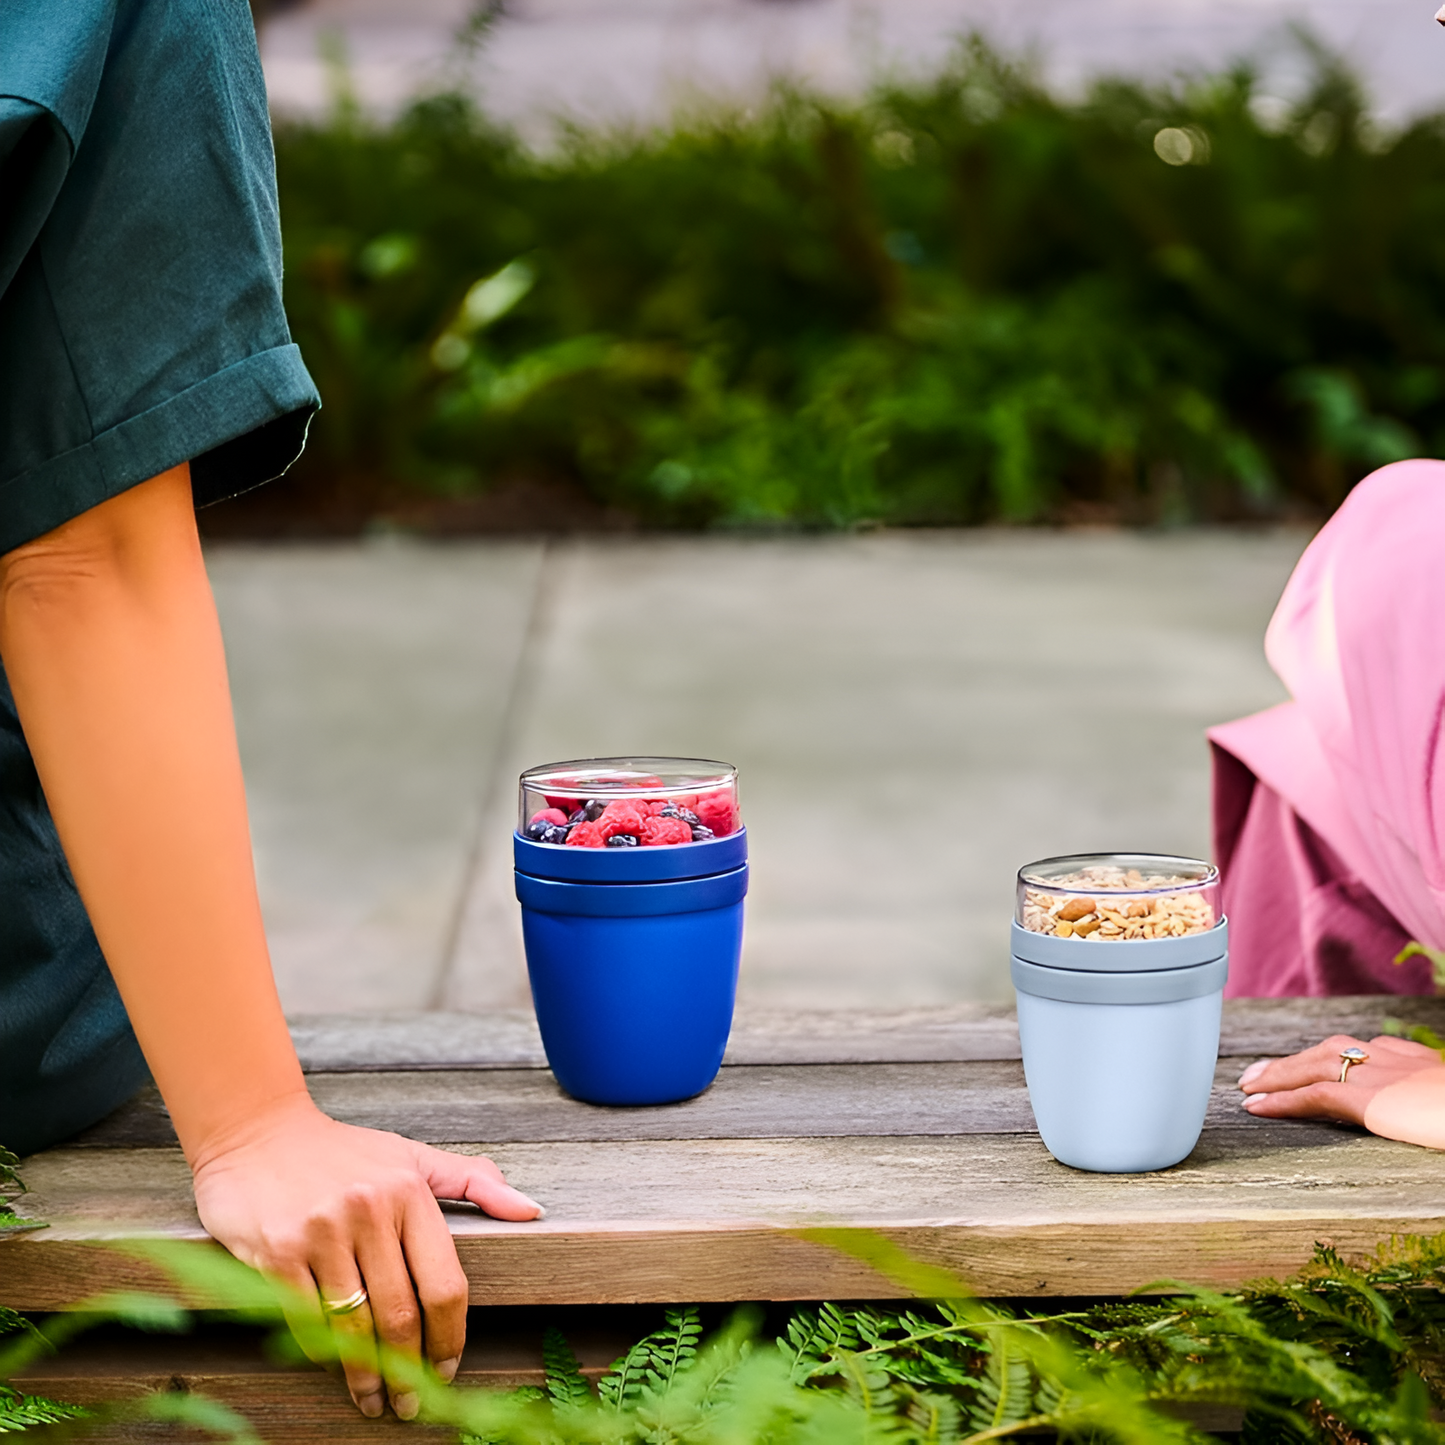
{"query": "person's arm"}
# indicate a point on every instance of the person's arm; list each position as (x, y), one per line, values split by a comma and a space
(1398, 1092)
(110, 639)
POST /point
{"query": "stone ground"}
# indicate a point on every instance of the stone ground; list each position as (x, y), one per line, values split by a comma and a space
(637, 60)
(914, 716)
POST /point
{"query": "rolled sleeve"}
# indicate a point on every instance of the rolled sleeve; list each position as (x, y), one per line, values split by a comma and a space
(142, 325)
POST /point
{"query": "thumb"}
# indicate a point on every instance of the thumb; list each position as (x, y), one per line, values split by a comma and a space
(474, 1177)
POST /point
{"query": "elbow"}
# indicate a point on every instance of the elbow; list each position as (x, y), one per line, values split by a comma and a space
(128, 546)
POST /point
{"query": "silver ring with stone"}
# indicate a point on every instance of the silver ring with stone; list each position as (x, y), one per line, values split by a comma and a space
(1349, 1057)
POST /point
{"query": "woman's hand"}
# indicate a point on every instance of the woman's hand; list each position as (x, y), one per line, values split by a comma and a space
(328, 1208)
(1307, 1085)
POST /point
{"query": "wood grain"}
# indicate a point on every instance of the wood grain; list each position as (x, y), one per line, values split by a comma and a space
(711, 1219)
(955, 1033)
(702, 1200)
(292, 1403)
(747, 1102)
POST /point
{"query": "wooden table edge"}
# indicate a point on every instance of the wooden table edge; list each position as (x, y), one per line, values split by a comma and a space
(741, 1261)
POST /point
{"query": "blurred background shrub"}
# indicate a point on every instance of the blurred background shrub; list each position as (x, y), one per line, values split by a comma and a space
(959, 301)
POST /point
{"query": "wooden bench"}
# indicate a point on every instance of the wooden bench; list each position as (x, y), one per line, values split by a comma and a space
(915, 1124)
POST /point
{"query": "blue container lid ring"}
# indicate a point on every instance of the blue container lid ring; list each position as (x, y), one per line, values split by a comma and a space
(630, 865)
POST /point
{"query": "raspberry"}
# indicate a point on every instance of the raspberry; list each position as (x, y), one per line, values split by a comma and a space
(586, 835)
(652, 806)
(660, 832)
(563, 805)
(550, 815)
(718, 812)
(620, 816)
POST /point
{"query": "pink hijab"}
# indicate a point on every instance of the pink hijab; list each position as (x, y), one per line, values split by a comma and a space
(1359, 640)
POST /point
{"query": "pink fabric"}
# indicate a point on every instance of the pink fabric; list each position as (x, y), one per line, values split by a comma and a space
(1300, 923)
(1355, 763)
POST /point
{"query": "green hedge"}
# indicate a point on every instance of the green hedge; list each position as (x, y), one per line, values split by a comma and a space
(957, 301)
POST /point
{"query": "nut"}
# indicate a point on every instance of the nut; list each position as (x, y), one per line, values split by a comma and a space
(1170, 907)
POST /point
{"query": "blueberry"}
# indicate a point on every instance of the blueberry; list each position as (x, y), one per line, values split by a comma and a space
(580, 816)
(688, 817)
(555, 833)
(538, 829)
(622, 840)
(593, 809)
(701, 834)
(670, 811)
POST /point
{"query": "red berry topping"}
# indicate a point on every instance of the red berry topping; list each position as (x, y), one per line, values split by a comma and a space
(659, 832)
(718, 812)
(620, 816)
(586, 835)
(563, 805)
(550, 815)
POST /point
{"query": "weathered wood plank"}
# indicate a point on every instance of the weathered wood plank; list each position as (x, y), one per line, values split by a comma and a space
(710, 1219)
(292, 1403)
(956, 1033)
(747, 1102)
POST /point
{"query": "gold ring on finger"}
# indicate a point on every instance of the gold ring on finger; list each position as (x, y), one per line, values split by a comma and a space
(349, 1305)
(1348, 1058)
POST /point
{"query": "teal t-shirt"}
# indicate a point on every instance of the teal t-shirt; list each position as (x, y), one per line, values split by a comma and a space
(141, 326)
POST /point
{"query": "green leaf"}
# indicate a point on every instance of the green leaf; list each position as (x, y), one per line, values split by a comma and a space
(566, 1385)
(19, 1411)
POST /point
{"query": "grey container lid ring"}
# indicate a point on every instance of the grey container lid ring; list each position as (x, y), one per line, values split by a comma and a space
(1120, 955)
(1170, 985)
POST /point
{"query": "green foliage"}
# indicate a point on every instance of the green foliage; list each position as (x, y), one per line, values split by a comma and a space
(653, 1363)
(1344, 1351)
(19, 1411)
(1436, 957)
(565, 1383)
(961, 299)
(10, 1185)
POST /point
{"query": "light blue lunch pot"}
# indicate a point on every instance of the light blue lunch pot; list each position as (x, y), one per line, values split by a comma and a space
(1120, 1040)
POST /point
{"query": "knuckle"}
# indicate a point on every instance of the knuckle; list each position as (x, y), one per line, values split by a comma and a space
(451, 1294)
(363, 1201)
(398, 1321)
(280, 1250)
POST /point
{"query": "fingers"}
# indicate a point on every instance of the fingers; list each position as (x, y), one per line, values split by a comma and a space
(1405, 1049)
(441, 1283)
(463, 1176)
(337, 1277)
(301, 1305)
(1335, 1101)
(395, 1314)
(1312, 1066)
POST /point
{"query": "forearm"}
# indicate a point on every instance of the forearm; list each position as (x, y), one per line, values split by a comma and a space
(109, 635)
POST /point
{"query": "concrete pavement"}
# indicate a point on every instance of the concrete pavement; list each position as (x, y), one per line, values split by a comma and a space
(914, 715)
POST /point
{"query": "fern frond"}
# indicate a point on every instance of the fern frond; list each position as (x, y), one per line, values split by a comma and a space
(673, 1348)
(566, 1385)
(19, 1411)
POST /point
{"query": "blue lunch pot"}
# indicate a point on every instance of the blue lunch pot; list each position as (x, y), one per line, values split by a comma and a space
(633, 953)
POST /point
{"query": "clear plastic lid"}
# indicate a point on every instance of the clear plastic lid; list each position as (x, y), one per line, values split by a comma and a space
(1111, 897)
(628, 802)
